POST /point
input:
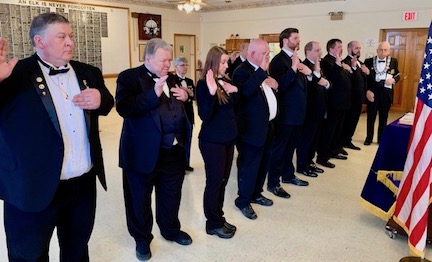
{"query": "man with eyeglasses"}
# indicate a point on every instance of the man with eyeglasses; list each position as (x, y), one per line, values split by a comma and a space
(181, 67)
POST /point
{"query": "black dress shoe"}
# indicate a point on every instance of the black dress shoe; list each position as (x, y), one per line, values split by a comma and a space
(279, 191)
(189, 168)
(230, 226)
(142, 252)
(367, 143)
(182, 238)
(314, 168)
(222, 232)
(143, 256)
(352, 146)
(249, 212)
(342, 151)
(339, 156)
(326, 164)
(262, 200)
(296, 181)
(308, 173)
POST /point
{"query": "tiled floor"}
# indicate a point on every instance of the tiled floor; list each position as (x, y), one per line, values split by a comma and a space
(321, 222)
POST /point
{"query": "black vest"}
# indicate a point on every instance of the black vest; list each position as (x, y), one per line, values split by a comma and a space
(173, 121)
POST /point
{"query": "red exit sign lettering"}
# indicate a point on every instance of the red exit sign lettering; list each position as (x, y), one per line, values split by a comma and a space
(409, 16)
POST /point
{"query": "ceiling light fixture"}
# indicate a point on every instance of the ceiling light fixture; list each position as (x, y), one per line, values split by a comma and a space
(189, 6)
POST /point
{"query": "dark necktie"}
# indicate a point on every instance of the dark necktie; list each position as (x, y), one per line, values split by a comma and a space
(53, 71)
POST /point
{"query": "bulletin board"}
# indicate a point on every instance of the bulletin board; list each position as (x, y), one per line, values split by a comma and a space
(99, 31)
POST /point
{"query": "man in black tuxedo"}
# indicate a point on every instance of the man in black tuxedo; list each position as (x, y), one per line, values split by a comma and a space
(292, 77)
(339, 101)
(258, 107)
(358, 93)
(384, 74)
(316, 108)
(153, 144)
(181, 68)
(240, 59)
(49, 143)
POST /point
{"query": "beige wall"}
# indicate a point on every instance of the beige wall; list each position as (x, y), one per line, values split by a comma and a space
(361, 21)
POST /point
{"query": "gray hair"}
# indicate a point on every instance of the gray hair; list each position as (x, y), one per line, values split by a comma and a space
(154, 44)
(179, 60)
(42, 21)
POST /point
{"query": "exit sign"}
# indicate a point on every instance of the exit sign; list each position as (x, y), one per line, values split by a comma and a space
(409, 16)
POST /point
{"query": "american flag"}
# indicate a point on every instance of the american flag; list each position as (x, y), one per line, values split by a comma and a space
(414, 196)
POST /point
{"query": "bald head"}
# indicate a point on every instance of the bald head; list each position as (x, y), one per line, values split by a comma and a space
(354, 48)
(313, 51)
(257, 51)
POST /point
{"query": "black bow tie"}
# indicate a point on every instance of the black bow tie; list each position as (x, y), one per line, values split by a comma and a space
(53, 71)
(381, 61)
(152, 75)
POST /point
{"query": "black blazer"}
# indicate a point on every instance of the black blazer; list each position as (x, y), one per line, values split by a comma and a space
(219, 124)
(137, 103)
(233, 66)
(31, 144)
(291, 92)
(339, 96)
(188, 104)
(316, 96)
(253, 114)
(376, 87)
(358, 83)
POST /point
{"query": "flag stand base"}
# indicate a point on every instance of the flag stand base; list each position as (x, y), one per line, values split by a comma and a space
(414, 259)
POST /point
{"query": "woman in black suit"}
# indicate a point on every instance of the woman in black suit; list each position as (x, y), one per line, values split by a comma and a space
(215, 99)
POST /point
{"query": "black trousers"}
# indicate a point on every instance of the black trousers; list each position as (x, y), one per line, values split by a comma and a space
(283, 147)
(253, 163)
(167, 179)
(72, 212)
(381, 105)
(218, 160)
(330, 136)
(352, 117)
(307, 143)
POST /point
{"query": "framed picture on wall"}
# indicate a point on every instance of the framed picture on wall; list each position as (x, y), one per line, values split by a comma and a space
(149, 26)
(141, 49)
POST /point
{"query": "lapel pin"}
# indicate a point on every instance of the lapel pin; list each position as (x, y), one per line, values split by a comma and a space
(85, 83)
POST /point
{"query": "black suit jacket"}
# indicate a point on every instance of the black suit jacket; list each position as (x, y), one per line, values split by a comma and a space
(378, 87)
(253, 115)
(188, 104)
(31, 144)
(316, 96)
(339, 96)
(233, 66)
(137, 103)
(291, 92)
(358, 83)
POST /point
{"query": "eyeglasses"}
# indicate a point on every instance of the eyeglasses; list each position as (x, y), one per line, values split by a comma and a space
(182, 65)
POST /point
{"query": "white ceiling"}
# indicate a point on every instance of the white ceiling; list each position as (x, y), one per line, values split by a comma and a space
(220, 5)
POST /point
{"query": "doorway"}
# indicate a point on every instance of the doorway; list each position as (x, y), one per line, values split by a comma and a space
(407, 46)
(185, 46)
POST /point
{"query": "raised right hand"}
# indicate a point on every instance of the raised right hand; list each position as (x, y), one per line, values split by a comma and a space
(5, 66)
(211, 82)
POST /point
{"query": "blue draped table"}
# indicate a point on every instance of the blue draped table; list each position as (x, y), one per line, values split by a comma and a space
(380, 189)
